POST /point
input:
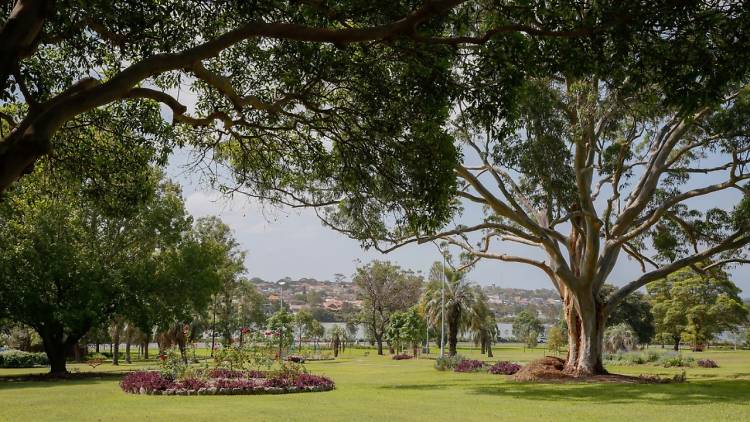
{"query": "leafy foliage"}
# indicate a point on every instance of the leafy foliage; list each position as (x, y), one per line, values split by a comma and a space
(384, 289)
(635, 311)
(406, 329)
(19, 359)
(696, 306)
(461, 298)
(620, 337)
(527, 327)
(448, 362)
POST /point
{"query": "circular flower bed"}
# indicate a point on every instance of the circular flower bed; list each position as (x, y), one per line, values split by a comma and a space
(223, 381)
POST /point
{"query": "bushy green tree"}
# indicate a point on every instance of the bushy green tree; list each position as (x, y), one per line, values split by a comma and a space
(280, 328)
(635, 311)
(693, 306)
(527, 327)
(555, 339)
(384, 289)
(303, 326)
(71, 262)
(406, 329)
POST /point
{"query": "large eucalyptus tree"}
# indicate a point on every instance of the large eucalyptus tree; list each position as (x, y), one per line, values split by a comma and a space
(592, 171)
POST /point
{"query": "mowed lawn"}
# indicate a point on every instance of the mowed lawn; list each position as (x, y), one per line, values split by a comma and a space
(371, 387)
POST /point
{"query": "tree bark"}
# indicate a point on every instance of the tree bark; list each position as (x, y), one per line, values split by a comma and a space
(145, 345)
(453, 336)
(56, 356)
(116, 343)
(489, 349)
(586, 321)
(55, 348)
(77, 353)
(676, 343)
(379, 341)
(127, 351)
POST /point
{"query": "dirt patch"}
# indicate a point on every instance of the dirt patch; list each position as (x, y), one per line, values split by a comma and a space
(550, 369)
(544, 369)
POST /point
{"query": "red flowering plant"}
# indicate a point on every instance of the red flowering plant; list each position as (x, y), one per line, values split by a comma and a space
(402, 356)
(469, 365)
(286, 380)
(504, 368)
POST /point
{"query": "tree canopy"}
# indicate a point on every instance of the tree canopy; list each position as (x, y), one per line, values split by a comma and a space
(70, 262)
(384, 289)
(694, 306)
(343, 102)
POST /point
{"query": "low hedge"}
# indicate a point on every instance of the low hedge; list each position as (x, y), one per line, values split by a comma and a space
(19, 359)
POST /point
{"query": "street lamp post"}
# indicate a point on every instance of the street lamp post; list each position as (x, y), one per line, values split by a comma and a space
(442, 310)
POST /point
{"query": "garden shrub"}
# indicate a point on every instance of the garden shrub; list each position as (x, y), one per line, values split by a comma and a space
(296, 359)
(401, 356)
(707, 363)
(504, 368)
(19, 359)
(171, 364)
(446, 363)
(249, 356)
(678, 360)
(632, 358)
(469, 365)
(145, 382)
(191, 384)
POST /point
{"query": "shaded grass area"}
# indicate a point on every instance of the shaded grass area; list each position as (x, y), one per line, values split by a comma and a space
(377, 388)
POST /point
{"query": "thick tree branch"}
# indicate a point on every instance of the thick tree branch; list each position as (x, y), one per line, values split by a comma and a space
(737, 240)
(19, 34)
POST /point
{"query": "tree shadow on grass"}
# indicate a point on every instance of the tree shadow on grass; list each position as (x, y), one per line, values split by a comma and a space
(737, 392)
(43, 380)
(417, 387)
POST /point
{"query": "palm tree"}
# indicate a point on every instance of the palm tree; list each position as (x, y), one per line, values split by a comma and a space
(483, 323)
(460, 300)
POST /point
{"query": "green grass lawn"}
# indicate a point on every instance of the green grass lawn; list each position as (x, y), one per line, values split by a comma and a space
(377, 388)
